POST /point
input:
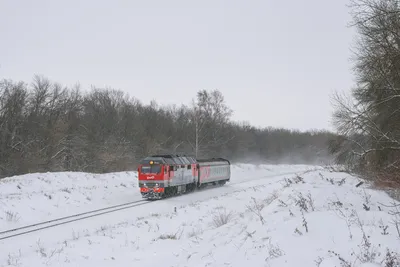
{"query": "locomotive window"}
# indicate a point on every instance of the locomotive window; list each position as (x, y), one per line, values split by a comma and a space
(151, 169)
(189, 167)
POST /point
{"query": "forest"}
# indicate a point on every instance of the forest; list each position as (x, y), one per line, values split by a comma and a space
(45, 126)
(367, 118)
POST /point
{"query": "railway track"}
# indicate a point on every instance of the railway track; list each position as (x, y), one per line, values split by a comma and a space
(93, 213)
(274, 175)
(68, 219)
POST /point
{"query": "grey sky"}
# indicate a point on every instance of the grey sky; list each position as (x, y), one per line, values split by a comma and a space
(276, 62)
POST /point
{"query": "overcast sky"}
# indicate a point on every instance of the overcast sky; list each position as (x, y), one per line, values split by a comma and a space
(276, 62)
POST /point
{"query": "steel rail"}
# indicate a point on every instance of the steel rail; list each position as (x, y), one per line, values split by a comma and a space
(97, 212)
(64, 220)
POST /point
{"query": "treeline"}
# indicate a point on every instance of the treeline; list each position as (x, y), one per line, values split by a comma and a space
(47, 127)
(368, 121)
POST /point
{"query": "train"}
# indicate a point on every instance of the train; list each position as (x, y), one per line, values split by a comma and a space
(161, 176)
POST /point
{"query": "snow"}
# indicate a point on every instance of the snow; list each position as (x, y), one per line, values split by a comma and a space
(32, 198)
(268, 215)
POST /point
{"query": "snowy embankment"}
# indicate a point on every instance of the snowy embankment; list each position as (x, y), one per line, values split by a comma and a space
(37, 197)
(283, 215)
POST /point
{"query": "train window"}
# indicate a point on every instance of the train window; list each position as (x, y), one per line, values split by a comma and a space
(151, 169)
(189, 167)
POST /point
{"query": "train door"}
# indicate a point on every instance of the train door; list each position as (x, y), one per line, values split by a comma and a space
(167, 175)
(180, 179)
(182, 174)
(178, 175)
(173, 175)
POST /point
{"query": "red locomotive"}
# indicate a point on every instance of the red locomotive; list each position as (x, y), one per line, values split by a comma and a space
(166, 175)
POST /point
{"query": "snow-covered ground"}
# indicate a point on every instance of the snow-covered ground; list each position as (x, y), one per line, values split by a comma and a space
(268, 215)
(37, 197)
(32, 198)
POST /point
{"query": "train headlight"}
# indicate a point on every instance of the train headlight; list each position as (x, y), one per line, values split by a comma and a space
(156, 185)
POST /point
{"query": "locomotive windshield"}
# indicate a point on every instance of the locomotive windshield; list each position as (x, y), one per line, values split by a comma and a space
(151, 169)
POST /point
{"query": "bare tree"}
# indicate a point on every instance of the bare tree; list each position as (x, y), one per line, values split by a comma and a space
(369, 120)
(12, 111)
(209, 118)
(45, 126)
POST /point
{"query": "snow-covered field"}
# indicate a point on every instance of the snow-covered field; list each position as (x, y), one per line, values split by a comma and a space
(268, 215)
